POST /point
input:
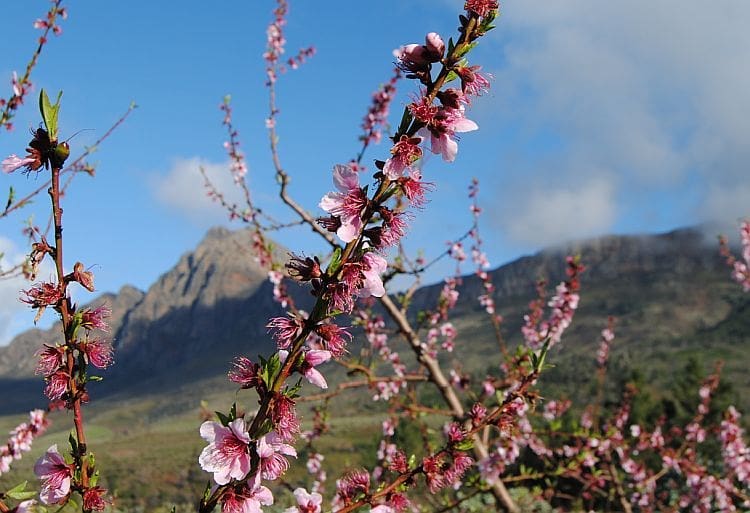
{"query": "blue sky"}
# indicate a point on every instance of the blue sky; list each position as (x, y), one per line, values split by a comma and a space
(624, 117)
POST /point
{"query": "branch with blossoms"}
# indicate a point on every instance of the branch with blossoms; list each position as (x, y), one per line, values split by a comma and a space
(38, 238)
(740, 268)
(354, 270)
(21, 438)
(66, 366)
(22, 86)
(612, 464)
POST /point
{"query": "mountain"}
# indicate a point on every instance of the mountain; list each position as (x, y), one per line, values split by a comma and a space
(671, 295)
(210, 307)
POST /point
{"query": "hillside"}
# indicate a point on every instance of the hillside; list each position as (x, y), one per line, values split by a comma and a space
(670, 293)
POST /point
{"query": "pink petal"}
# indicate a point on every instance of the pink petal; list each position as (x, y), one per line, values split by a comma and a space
(317, 356)
(345, 178)
(316, 378)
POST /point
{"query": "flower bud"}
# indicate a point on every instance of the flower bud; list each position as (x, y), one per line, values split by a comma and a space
(434, 46)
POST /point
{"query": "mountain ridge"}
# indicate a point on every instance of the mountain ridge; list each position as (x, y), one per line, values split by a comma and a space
(215, 302)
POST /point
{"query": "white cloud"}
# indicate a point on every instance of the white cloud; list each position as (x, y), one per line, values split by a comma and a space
(554, 214)
(654, 91)
(183, 189)
(13, 313)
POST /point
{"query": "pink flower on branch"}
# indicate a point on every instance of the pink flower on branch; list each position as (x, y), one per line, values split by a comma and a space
(311, 359)
(306, 502)
(348, 204)
(481, 7)
(442, 131)
(335, 338)
(227, 455)
(246, 500)
(272, 451)
(404, 154)
(374, 266)
(94, 319)
(55, 474)
(740, 269)
(50, 360)
(57, 385)
(21, 438)
(99, 352)
(14, 162)
(94, 499)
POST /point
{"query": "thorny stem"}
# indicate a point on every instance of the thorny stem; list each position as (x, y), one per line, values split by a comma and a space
(65, 314)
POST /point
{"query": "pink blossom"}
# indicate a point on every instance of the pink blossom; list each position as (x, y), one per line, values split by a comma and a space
(404, 153)
(285, 330)
(14, 162)
(473, 82)
(246, 500)
(245, 373)
(285, 418)
(353, 483)
(94, 499)
(26, 506)
(347, 204)
(307, 368)
(57, 385)
(227, 455)
(434, 45)
(21, 438)
(442, 129)
(55, 475)
(99, 353)
(271, 451)
(415, 189)
(412, 58)
(306, 502)
(382, 508)
(335, 337)
(481, 7)
(374, 266)
(50, 359)
(94, 319)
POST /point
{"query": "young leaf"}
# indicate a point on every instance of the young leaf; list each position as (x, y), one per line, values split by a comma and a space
(50, 113)
(11, 197)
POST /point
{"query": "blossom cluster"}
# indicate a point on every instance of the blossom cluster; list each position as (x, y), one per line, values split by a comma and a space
(22, 86)
(21, 438)
(563, 304)
(740, 268)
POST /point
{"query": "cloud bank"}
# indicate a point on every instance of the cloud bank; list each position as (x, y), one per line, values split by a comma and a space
(182, 189)
(656, 93)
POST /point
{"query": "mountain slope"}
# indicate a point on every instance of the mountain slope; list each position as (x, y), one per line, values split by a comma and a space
(671, 295)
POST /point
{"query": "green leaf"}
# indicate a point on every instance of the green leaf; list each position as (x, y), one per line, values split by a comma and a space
(50, 113)
(73, 443)
(452, 75)
(222, 418)
(335, 263)
(11, 197)
(207, 492)
(464, 50)
(465, 445)
(406, 119)
(21, 496)
(95, 378)
(233, 411)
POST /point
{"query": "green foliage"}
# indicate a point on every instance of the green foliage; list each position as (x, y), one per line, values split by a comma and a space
(50, 113)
